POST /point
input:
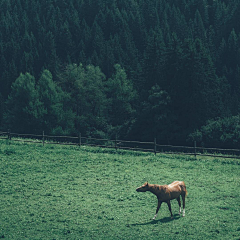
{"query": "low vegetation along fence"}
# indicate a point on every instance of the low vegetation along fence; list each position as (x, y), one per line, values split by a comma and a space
(121, 144)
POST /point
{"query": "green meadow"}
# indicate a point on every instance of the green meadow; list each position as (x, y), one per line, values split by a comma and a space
(66, 192)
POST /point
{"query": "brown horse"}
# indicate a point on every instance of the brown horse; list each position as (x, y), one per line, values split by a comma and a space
(165, 193)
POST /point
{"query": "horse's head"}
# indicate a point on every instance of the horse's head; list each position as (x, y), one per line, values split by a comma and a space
(143, 188)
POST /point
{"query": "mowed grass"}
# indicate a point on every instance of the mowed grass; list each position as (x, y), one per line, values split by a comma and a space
(62, 192)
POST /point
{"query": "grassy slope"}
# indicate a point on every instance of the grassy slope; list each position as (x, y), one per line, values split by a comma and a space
(57, 192)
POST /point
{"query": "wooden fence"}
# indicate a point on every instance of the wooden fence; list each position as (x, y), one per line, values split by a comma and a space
(122, 144)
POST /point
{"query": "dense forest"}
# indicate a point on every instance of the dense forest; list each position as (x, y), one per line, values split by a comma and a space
(135, 69)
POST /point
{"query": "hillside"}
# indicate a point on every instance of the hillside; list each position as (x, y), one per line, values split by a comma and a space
(136, 68)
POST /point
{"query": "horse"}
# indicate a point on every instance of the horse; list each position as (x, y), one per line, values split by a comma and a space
(165, 193)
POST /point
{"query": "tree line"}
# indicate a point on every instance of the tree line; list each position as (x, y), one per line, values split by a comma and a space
(138, 68)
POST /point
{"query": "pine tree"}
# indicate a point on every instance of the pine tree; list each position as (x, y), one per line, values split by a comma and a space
(1, 109)
(51, 59)
(98, 44)
(64, 41)
(156, 111)
(204, 92)
(233, 49)
(153, 59)
(199, 27)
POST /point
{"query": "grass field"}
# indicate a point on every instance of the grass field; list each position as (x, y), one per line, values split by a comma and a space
(62, 192)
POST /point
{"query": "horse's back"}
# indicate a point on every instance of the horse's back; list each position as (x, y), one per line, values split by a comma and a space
(177, 183)
(179, 186)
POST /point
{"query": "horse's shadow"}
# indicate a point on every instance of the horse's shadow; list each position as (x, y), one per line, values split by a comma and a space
(162, 220)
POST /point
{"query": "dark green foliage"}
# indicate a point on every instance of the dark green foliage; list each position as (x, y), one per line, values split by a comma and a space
(33, 107)
(189, 49)
(156, 114)
(224, 133)
(1, 108)
(121, 97)
(87, 98)
(55, 118)
(23, 106)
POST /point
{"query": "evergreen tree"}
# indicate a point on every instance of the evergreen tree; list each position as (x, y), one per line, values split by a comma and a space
(64, 41)
(50, 56)
(98, 44)
(233, 50)
(156, 115)
(1, 109)
(199, 27)
(204, 95)
(154, 58)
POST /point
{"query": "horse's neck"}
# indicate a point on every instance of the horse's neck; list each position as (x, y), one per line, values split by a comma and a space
(155, 189)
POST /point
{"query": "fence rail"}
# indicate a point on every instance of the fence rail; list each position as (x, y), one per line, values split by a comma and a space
(121, 144)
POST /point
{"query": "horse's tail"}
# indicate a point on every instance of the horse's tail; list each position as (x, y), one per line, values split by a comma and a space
(184, 189)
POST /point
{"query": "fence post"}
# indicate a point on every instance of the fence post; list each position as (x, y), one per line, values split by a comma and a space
(195, 149)
(116, 142)
(155, 146)
(43, 138)
(9, 134)
(80, 139)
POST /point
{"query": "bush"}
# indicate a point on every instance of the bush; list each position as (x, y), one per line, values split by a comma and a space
(223, 132)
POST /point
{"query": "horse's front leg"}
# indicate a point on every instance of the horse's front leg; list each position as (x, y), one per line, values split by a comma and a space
(159, 205)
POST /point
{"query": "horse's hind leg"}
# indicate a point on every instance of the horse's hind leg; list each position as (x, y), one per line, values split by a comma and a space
(183, 199)
(184, 194)
(169, 207)
(179, 203)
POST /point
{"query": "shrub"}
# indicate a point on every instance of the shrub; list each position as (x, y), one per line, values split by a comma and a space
(223, 132)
